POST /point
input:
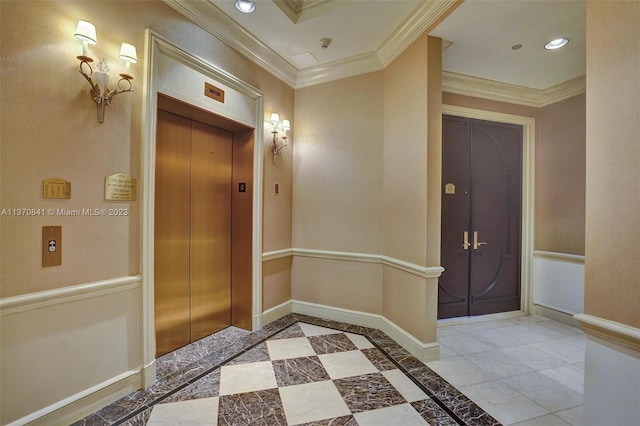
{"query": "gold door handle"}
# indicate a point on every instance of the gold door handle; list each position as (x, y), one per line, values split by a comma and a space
(476, 243)
(465, 241)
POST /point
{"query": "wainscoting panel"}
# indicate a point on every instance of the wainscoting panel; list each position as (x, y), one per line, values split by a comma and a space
(68, 351)
(558, 283)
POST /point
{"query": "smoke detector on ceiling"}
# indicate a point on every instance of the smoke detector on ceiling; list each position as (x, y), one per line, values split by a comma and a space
(324, 42)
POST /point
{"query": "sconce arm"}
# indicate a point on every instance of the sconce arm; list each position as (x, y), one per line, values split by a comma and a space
(110, 94)
(95, 89)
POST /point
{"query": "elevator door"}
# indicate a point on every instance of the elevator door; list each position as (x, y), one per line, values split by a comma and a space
(481, 217)
(192, 246)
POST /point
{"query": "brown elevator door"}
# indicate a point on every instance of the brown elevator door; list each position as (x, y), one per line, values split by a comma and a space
(192, 231)
(481, 204)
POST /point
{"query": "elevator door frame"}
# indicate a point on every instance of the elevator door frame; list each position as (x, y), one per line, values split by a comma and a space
(528, 191)
(159, 51)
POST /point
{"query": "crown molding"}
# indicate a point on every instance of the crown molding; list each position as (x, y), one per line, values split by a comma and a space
(424, 17)
(466, 85)
(208, 17)
(338, 70)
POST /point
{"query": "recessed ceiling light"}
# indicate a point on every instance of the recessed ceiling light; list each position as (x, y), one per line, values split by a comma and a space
(516, 46)
(245, 6)
(556, 43)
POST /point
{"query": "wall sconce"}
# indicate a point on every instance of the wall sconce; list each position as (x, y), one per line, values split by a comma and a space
(278, 144)
(100, 92)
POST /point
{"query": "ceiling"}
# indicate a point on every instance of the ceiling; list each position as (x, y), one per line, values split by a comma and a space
(365, 35)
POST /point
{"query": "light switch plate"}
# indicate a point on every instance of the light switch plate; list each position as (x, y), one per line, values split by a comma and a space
(51, 246)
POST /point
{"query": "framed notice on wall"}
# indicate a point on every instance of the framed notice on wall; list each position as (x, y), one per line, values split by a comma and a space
(119, 187)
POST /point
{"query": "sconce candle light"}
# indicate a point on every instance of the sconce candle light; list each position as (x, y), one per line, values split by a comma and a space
(100, 92)
(278, 144)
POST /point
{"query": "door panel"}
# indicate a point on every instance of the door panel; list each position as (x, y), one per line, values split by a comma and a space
(454, 283)
(495, 215)
(171, 242)
(483, 162)
(210, 230)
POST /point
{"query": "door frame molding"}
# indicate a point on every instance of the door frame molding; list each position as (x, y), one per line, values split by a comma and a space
(156, 47)
(528, 189)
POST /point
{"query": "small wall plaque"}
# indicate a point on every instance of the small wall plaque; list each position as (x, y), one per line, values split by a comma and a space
(449, 188)
(214, 92)
(56, 188)
(119, 187)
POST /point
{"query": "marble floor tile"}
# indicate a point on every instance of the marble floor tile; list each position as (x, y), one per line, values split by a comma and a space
(253, 408)
(548, 420)
(503, 402)
(545, 392)
(524, 334)
(563, 349)
(196, 412)
(315, 330)
(496, 338)
(407, 388)
(296, 371)
(247, 378)
(403, 414)
(331, 343)
(346, 364)
(368, 392)
(568, 375)
(573, 416)
(360, 341)
(460, 372)
(498, 364)
(464, 344)
(289, 348)
(380, 360)
(311, 402)
(533, 357)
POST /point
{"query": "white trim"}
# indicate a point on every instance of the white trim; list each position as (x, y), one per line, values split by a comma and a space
(425, 352)
(555, 313)
(612, 331)
(32, 301)
(157, 46)
(213, 20)
(528, 188)
(272, 314)
(467, 85)
(117, 384)
(559, 257)
(412, 268)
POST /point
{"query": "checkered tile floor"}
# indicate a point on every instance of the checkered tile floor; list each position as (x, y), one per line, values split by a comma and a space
(305, 374)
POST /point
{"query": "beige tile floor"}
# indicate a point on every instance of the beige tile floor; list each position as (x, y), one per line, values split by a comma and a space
(523, 370)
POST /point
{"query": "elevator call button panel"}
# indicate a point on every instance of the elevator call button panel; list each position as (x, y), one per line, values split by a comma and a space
(51, 246)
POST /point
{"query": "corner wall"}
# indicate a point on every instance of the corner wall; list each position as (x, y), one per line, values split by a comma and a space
(612, 243)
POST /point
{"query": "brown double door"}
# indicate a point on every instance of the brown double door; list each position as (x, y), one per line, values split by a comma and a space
(192, 246)
(481, 217)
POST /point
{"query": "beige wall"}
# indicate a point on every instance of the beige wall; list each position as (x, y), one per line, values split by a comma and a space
(49, 128)
(612, 240)
(337, 193)
(560, 177)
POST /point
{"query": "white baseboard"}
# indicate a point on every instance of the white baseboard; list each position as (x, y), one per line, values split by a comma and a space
(555, 313)
(425, 352)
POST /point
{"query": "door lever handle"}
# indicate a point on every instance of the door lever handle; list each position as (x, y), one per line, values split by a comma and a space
(477, 243)
(465, 241)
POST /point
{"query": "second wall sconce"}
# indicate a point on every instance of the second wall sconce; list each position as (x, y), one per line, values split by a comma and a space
(100, 92)
(278, 144)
